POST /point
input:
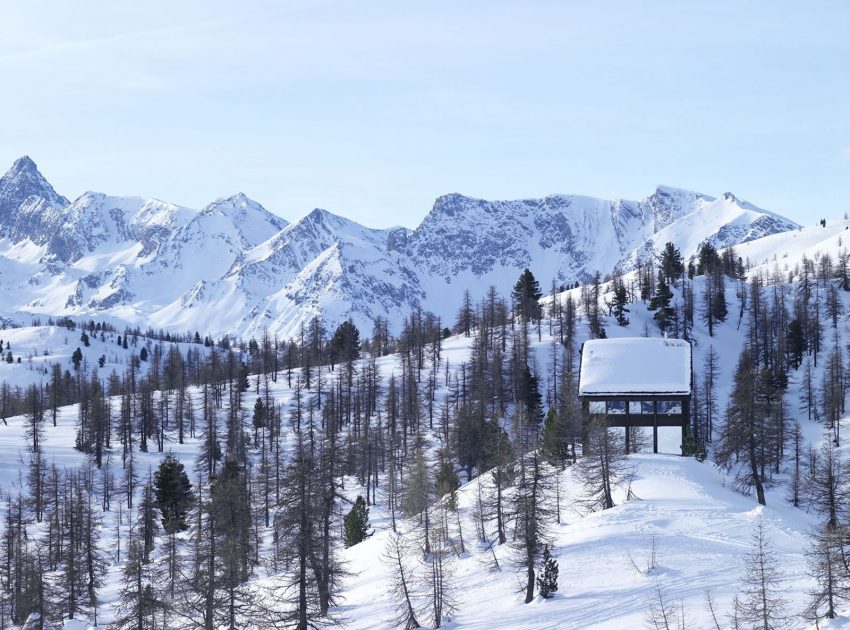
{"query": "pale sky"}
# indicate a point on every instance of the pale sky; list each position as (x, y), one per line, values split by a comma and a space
(371, 109)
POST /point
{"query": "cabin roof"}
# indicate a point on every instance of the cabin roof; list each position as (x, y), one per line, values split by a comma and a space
(635, 365)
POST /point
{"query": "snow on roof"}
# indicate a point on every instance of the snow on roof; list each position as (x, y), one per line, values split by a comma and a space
(635, 365)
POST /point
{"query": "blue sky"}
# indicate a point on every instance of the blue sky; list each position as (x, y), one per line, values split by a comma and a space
(371, 109)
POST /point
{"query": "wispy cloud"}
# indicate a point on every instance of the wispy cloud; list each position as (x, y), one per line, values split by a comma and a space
(72, 45)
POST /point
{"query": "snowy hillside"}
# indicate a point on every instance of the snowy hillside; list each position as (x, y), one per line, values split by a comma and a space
(234, 268)
(700, 528)
(678, 528)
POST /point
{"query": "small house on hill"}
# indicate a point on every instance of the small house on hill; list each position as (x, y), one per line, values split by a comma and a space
(637, 382)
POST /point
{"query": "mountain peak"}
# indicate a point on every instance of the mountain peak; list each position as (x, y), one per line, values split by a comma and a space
(237, 199)
(24, 170)
(320, 216)
(24, 182)
(241, 203)
(23, 164)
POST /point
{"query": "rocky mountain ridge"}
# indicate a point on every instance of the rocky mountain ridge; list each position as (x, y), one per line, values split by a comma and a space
(235, 268)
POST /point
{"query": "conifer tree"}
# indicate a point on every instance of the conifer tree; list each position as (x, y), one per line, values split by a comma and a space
(547, 581)
(447, 481)
(258, 419)
(826, 556)
(76, 358)
(749, 435)
(621, 301)
(231, 514)
(761, 603)
(174, 496)
(526, 295)
(139, 602)
(498, 457)
(603, 466)
(396, 558)
(795, 343)
(439, 574)
(356, 523)
(532, 510)
(660, 303)
(345, 342)
(672, 266)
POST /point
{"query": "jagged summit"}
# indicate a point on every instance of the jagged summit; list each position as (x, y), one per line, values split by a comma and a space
(24, 185)
(23, 163)
(25, 174)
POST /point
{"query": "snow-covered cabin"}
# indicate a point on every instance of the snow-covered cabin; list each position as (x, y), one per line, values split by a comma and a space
(637, 382)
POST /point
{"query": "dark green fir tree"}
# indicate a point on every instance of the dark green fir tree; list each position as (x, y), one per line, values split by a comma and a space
(174, 494)
(660, 303)
(356, 523)
(547, 581)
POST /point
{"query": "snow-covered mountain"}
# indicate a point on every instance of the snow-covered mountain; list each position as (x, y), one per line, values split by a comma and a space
(570, 237)
(233, 267)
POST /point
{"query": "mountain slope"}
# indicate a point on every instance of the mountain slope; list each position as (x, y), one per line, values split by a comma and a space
(322, 265)
(685, 530)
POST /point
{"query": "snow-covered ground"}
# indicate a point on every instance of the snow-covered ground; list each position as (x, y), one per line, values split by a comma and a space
(701, 528)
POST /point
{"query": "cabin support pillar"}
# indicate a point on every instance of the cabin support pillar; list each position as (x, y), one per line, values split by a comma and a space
(585, 421)
(655, 426)
(628, 437)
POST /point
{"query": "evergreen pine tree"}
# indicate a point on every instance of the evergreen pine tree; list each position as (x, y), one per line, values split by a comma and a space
(258, 419)
(547, 581)
(356, 523)
(672, 266)
(660, 303)
(244, 383)
(528, 392)
(795, 342)
(346, 342)
(174, 494)
(621, 299)
(526, 295)
(76, 358)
